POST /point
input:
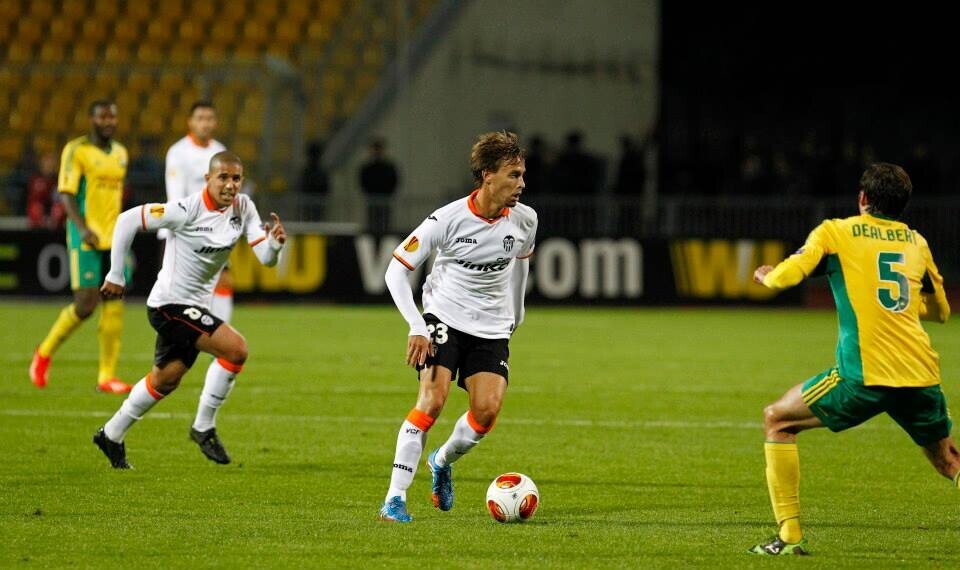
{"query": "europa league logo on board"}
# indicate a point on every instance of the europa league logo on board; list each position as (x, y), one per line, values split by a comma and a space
(508, 243)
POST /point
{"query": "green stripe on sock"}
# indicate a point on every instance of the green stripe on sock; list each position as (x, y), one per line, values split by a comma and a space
(956, 480)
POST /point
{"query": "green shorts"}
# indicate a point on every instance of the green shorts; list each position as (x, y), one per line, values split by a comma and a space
(841, 404)
(89, 267)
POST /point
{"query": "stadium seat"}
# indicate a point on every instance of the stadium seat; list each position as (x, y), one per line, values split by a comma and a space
(181, 54)
(84, 53)
(42, 10)
(190, 33)
(149, 53)
(29, 31)
(94, 31)
(202, 11)
(62, 31)
(116, 53)
(11, 149)
(107, 82)
(105, 9)
(213, 53)
(158, 32)
(126, 31)
(51, 53)
(75, 10)
(139, 81)
(19, 53)
(254, 34)
(266, 11)
(138, 12)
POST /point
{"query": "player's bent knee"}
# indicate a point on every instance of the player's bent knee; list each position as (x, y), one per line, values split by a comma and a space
(482, 420)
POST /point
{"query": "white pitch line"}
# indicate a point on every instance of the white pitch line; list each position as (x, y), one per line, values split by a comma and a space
(648, 424)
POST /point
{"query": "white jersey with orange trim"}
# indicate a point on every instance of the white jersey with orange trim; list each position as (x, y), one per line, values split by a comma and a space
(200, 241)
(469, 286)
(187, 162)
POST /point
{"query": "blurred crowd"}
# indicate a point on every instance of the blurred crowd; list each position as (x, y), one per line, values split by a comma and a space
(809, 166)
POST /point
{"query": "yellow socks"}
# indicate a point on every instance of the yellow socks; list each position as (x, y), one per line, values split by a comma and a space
(956, 480)
(783, 482)
(111, 327)
(62, 328)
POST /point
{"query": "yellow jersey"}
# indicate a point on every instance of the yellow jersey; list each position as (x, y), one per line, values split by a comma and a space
(95, 177)
(884, 280)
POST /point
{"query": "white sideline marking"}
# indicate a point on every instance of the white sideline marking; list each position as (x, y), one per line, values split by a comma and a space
(649, 424)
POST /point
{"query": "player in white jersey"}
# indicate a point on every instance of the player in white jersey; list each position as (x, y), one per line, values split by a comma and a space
(204, 227)
(186, 165)
(472, 303)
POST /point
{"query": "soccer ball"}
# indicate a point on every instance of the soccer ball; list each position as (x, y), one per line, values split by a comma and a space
(512, 497)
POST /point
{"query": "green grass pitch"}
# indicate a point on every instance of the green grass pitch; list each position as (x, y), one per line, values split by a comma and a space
(641, 428)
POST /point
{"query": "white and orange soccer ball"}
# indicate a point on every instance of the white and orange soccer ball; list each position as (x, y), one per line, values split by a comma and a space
(512, 497)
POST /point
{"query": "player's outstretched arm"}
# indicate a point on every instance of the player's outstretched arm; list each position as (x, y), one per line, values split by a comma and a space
(145, 217)
(267, 248)
(418, 341)
(518, 282)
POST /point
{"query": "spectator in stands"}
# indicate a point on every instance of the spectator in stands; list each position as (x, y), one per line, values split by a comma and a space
(18, 179)
(632, 171)
(378, 180)
(44, 209)
(576, 171)
(145, 173)
(538, 166)
(314, 182)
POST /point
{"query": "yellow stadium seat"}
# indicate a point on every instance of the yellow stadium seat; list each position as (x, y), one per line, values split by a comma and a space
(9, 11)
(248, 124)
(222, 34)
(10, 79)
(190, 32)
(246, 147)
(42, 10)
(51, 53)
(126, 31)
(61, 31)
(48, 142)
(74, 81)
(81, 121)
(116, 53)
(149, 53)
(288, 32)
(318, 31)
(297, 12)
(94, 31)
(11, 149)
(139, 81)
(279, 50)
(29, 31)
(159, 31)
(266, 10)
(105, 9)
(202, 10)
(75, 10)
(373, 57)
(171, 82)
(85, 53)
(106, 82)
(19, 52)
(21, 121)
(150, 123)
(6, 32)
(181, 54)
(138, 12)
(213, 53)
(38, 82)
(246, 53)
(170, 10)
(128, 103)
(254, 33)
(330, 10)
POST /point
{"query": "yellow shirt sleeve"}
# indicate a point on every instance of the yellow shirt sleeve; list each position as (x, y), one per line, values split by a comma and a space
(933, 300)
(71, 170)
(801, 264)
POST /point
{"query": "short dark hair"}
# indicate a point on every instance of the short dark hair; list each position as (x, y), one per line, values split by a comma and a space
(493, 150)
(224, 157)
(92, 109)
(201, 104)
(887, 188)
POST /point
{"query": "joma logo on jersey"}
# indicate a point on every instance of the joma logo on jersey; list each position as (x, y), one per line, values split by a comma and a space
(209, 249)
(498, 265)
(466, 240)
